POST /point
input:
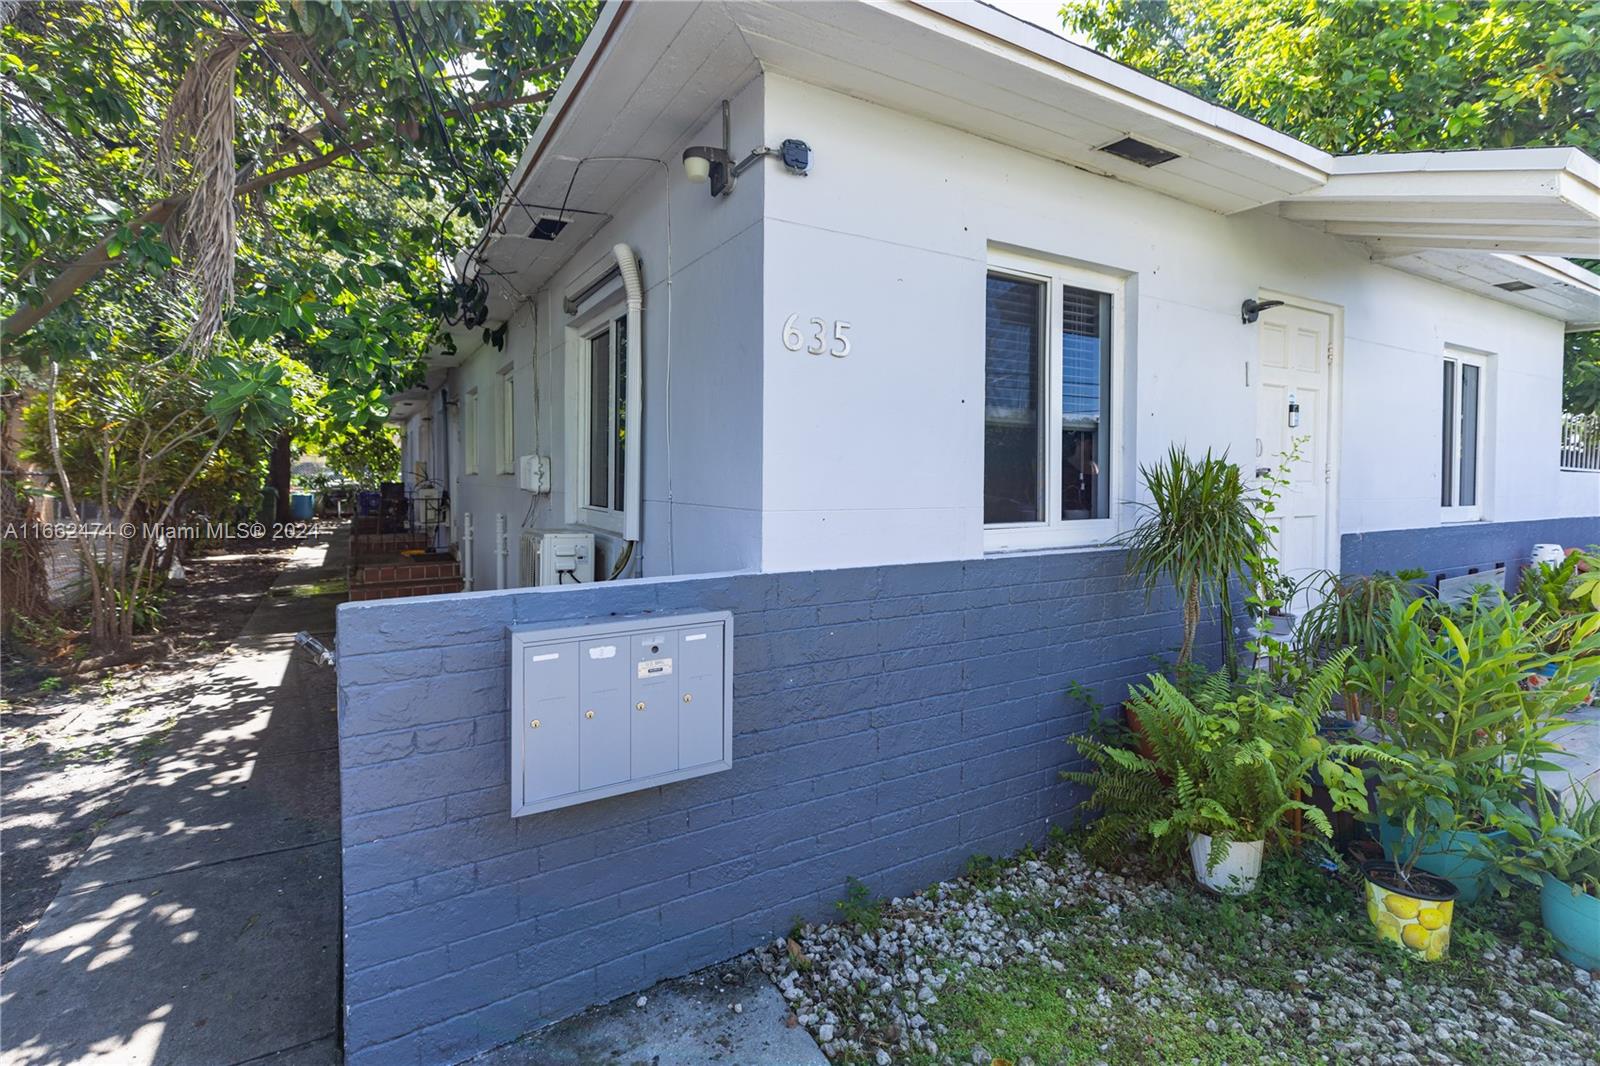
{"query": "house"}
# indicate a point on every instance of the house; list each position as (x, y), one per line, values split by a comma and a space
(856, 321)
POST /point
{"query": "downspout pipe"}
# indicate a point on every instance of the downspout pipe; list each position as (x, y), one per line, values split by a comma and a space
(632, 441)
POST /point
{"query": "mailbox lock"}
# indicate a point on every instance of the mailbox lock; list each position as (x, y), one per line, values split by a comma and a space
(588, 714)
(534, 724)
(639, 706)
(688, 697)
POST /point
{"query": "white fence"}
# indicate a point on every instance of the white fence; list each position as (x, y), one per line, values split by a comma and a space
(1580, 442)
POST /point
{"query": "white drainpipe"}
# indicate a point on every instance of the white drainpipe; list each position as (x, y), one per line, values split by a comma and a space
(501, 551)
(466, 551)
(632, 483)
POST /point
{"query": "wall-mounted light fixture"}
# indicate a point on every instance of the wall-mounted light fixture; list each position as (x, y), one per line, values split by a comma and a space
(1251, 310)
(707, 163)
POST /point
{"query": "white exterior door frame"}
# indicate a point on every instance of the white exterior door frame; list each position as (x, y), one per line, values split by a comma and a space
(1335, 416)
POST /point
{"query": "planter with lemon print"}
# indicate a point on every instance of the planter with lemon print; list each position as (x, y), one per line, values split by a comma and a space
(1413, 912)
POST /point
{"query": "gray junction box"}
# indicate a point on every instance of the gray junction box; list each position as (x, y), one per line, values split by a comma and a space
(599, 710)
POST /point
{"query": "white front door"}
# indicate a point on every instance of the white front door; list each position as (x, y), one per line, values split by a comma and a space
(1294, 404)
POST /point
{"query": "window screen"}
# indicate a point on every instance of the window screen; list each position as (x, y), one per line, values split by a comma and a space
(1468, 494)
(1447, 457)
(600, 420)
(1085, 403)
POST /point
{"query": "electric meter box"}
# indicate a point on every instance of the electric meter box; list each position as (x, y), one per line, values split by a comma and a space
(599, 710)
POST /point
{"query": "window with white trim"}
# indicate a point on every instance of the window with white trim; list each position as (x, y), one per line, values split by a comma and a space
(1464, 383)
(1052, 363)
(505, 450)
(469, 431)
(603, 420)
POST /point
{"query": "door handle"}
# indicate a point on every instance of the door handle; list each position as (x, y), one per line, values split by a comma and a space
(1259, 448)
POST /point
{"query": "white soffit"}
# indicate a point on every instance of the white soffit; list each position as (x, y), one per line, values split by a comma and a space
(1530, 201)
(647, 76)
(1557, 288)
(650, 73)
(980, 70)
(402, 405)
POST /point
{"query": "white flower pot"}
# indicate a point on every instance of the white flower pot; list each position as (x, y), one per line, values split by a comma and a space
(1236, 874)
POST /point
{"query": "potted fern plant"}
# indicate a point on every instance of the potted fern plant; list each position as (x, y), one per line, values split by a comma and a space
(1228, 763)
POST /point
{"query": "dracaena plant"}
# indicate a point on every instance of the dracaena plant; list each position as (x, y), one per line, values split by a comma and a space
(1228, 759)
(1198, 530)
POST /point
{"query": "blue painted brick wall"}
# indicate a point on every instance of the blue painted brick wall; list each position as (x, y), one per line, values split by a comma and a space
(1457, 549)
(889, 722)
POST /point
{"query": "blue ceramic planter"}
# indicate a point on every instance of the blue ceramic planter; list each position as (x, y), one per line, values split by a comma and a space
(1574, 921)
(1446, 857)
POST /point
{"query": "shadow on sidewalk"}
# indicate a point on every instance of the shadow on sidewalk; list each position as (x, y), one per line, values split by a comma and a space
(201, 925)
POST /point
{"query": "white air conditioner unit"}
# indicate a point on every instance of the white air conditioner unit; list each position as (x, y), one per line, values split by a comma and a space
(549, 558)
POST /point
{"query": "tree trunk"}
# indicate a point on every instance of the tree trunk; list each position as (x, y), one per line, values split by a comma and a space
(1191, 621)
(278, 475)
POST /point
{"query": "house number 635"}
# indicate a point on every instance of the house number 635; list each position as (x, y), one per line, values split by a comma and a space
(822, 339)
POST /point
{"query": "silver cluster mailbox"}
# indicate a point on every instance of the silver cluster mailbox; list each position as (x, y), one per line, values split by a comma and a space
(598, 710)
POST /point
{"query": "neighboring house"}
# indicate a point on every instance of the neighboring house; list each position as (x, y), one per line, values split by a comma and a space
(1012, 271)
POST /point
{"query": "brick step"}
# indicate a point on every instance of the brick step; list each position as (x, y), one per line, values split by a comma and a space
(376, 573)
(390, 590)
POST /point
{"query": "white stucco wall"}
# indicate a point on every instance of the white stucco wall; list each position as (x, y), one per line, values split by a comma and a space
(783, 460)
(879, 456)
(705, 515)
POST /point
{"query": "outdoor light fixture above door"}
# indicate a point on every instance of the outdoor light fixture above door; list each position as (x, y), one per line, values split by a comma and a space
(1251, 310)
(706, 163)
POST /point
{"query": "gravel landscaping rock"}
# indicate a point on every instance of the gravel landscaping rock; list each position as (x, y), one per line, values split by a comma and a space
(1055, 960)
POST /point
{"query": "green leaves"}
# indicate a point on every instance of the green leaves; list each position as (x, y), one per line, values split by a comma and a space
(1373, 77)
(1226, 760)
(1198, 530)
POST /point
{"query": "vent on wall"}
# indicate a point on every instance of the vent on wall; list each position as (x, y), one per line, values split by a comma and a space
(1513, 286)
(1137, 151)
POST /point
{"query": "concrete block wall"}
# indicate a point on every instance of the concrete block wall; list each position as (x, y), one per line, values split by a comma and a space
(1458, 549)
(889, 722)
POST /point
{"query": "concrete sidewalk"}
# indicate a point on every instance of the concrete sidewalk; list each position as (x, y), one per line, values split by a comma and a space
(201, 925)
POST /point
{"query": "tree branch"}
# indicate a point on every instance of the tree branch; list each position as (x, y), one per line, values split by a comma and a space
(88, 266)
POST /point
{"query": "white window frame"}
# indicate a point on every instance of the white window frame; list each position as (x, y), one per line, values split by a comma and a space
(470, 432)
(1055, 531)
(1454, 512)
(505, 438)
(600, 316)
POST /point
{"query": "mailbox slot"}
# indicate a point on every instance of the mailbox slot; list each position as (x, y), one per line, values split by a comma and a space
(619, 706)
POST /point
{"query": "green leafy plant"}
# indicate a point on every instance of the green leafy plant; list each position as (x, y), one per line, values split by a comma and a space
(1462, 724)
(1199, 531)
(1566, 596)
(1228, 759)
(1563, 842)
(858, 907)
(1348, 612)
